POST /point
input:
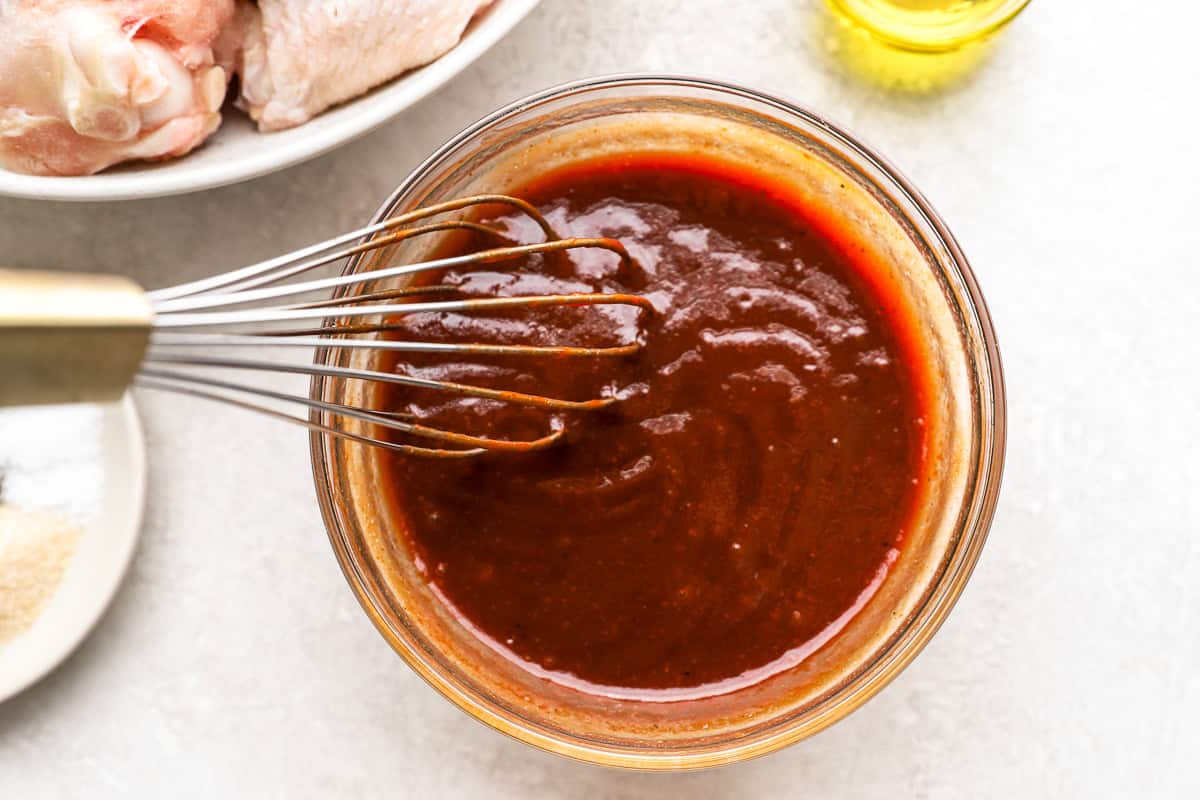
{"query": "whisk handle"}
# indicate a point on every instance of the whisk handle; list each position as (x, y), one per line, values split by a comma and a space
(69, 338)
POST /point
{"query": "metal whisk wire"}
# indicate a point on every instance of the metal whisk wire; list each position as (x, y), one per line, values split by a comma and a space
(258, 306)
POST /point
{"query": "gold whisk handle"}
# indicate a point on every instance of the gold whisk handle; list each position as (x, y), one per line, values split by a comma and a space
(69, 337)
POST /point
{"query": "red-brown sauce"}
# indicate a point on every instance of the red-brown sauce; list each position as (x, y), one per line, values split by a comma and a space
(746, 494)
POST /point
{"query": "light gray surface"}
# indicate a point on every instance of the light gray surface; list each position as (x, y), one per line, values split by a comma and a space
(235, 662)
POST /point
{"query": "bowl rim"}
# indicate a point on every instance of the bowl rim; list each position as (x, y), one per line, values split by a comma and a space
(926, 619)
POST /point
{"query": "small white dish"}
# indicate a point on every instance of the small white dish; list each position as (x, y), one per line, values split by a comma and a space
(110, 450)
(238, 152)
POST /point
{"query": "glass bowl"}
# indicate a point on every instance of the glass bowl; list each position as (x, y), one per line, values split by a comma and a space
(914, 251)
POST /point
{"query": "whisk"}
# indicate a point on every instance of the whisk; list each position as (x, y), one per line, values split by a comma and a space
(71, 337)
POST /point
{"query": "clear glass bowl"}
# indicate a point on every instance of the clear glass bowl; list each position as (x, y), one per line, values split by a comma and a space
(913, 249)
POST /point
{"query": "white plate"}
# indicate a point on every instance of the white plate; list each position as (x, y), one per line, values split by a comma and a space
(238, 152)
(111, 452)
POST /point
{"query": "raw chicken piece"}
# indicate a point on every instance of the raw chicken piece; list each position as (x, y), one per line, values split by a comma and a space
(302, 57)
(85, 84)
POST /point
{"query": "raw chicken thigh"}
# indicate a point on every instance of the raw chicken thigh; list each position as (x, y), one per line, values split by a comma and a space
(302, 57)
(85, 84)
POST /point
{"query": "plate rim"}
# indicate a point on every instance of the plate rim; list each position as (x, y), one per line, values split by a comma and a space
(499, 20)
(53, 657)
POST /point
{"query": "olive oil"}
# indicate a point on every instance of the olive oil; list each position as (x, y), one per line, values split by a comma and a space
(929, 25)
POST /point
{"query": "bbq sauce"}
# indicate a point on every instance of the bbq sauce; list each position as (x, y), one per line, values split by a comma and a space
(744, 496)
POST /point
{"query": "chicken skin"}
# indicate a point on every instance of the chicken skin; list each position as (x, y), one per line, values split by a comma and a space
(302, 57)
(85, 84)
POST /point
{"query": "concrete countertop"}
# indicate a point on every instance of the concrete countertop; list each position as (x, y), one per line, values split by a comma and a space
(236, 662)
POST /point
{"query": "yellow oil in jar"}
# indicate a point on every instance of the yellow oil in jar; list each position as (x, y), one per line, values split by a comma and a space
(929, 25)
(913, 46)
